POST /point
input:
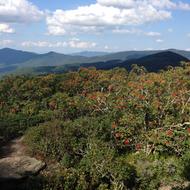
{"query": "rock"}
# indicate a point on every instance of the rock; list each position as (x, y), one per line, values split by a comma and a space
(16, 168)
(183, 185)
(165, 188)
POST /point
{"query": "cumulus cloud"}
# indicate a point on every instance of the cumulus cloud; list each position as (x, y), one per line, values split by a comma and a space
(19, 11)
(136, 32)
(153, 34)
(101, 16)
(110, 14)
(5, 28)
(135, 3)
(106, 47)
(126, 31)
(73, 43)
(183, 6)
(162, 4)
(159, 41)
(76, 43)
(43, 44)
(5, 42)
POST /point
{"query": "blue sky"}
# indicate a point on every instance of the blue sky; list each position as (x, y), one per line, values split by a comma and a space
(95, 25)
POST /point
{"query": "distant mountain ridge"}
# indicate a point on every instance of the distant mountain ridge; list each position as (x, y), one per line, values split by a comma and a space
(159, 61)
(90, 53)
(16, 60)
(153, 63)
(10, 59)
(53, 59)
(10, 56)
(57, 59)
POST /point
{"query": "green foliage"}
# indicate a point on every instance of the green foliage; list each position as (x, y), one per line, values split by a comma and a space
(103, 129)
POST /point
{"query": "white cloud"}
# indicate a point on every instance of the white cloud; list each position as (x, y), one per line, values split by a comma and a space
(188, 35)
(102, 16)
(153, 34)
(184, 6)
(56, 30)
(73, 43)
(5, 42)
(135, 3)
(106, 47)
(159, 40)
(126, 31)
(42, 44)
(76, 43)
(5, 28)
(19, 11)
(160, 4)
(136, 32)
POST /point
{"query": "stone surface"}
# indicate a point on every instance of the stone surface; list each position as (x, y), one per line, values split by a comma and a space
(15, 168)
(165, 188)
(184, 185)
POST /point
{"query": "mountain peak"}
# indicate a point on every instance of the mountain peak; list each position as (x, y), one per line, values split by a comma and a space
(10, 56)
(52, 53)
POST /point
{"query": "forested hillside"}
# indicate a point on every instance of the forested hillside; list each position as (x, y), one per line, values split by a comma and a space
(21, 62)
(102, 130)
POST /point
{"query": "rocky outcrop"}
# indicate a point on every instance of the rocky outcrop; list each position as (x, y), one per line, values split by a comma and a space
(17, 168)
(183, 186)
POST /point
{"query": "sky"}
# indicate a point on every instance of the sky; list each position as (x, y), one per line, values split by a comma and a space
(69, 26)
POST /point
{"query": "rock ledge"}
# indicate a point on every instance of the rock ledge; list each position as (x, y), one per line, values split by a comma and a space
(16, 168)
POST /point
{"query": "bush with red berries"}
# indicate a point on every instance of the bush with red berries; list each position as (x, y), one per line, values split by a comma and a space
(103, 129)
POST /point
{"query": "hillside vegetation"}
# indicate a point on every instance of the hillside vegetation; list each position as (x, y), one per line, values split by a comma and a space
(103, 130)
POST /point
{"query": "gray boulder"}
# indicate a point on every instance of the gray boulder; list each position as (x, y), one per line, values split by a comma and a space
(17, 168)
